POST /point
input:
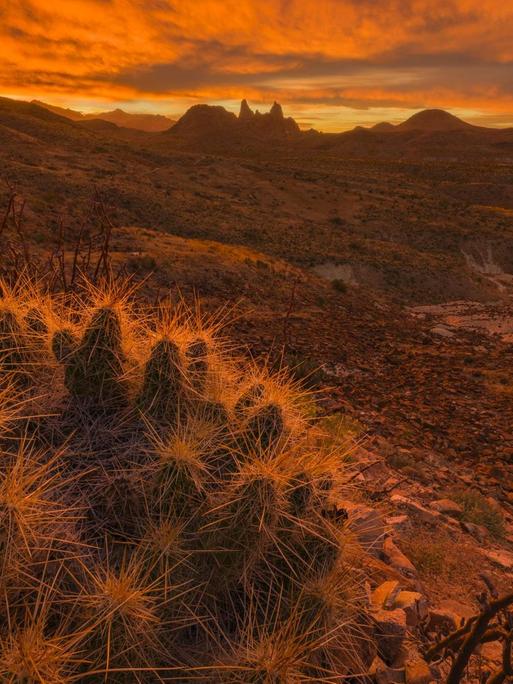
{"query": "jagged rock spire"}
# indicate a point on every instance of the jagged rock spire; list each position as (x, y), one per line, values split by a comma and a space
(245, 111)
(276, 111)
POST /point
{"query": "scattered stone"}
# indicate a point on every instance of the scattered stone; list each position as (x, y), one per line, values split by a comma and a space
(396, 558)
(477, 531)
(396, 521)
(448, 616)
(447, 507)
(415, 606)
(384, 596)
(390, 632)
(504, 559)
(442, 331)
(423, 513)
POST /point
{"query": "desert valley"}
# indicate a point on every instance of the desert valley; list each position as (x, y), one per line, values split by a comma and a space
(374, 267)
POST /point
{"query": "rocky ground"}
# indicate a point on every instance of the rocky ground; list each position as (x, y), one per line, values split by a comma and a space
(440, 551)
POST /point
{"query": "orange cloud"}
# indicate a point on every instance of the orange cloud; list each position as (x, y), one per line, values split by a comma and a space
(352, 54)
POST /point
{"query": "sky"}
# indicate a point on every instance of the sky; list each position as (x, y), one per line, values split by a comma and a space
(333, 64)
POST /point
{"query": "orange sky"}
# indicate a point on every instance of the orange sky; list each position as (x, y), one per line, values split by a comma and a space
(332, 63)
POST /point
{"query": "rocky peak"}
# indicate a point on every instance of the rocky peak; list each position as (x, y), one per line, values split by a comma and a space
(245, 112)
(276, 111)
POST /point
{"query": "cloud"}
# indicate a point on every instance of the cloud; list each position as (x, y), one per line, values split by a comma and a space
(357, 54)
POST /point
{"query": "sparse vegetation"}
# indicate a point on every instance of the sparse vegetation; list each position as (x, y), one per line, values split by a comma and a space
(479, 511)
(166, 509)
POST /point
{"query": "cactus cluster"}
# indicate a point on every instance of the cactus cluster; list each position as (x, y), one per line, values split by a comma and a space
(163, 507)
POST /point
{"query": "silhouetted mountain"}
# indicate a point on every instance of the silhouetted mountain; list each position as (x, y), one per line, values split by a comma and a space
(204, 121)
(434, 120)
(245, 112)
(152, 123)
(383, 127)
(61, 111)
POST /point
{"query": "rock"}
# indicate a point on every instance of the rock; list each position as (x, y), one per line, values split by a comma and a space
(441, 331)
(367, 524)
(415, 606)
(448, 616)
(396, 520)
(417, 670)
(425, 514)
(245, 112)
(478, 531)
(382, 674)
(276, 111)
(448, 507)
(504, 559)
(384, 596)
(396, 558)
(390, 632)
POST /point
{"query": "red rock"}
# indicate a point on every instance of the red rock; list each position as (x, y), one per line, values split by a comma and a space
(396, 558)
(447, 506)
(390, 632)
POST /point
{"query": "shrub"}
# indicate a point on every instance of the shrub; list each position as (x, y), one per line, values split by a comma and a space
(163, 506)
(478, 510)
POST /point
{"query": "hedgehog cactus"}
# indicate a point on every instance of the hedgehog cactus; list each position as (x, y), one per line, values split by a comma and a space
(14, 351)
(176, 524)
(163, 382)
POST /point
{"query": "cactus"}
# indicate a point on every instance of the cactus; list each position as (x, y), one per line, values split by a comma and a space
(94, 371)
(63, 345)
(162, 390)
(14, 350)
(266, 426)
(35, 321)
(197, 369)
(182, 529)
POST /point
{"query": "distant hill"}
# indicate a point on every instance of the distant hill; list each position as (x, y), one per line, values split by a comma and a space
(383, 127)
(434, 120)
(151, 123)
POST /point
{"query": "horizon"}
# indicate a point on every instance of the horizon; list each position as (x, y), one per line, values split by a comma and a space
(363, 63)
(131, 108)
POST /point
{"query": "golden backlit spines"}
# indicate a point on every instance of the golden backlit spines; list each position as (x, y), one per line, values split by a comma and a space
(170, 494)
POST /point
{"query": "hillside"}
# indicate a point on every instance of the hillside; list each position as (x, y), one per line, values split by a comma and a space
(152, 123)
(401, 226)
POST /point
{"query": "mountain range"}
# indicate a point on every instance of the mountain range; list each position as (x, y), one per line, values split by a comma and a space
(151, 123)
(203, 118)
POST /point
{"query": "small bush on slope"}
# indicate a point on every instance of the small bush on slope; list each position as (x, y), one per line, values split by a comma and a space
(163, 506)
